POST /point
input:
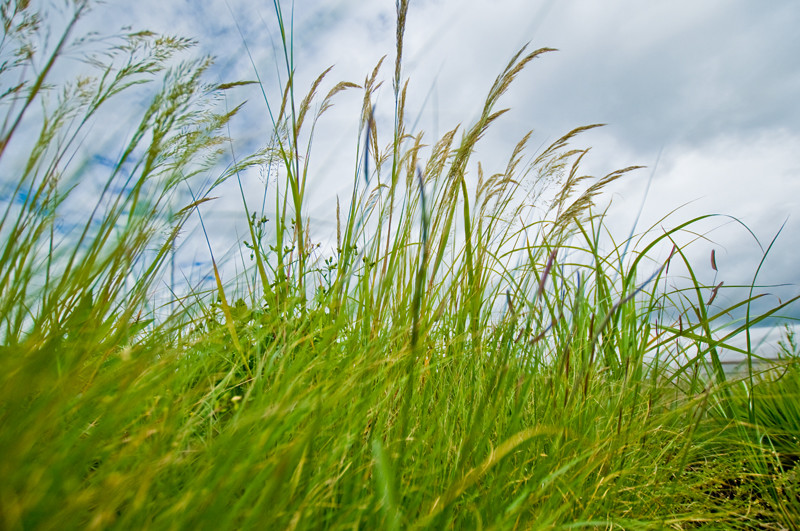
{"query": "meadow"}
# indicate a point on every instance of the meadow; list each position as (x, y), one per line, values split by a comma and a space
(475, 350)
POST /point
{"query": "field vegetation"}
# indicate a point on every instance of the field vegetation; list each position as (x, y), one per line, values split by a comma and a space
(474, 350)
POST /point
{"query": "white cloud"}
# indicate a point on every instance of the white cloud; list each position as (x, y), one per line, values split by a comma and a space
(713, 84)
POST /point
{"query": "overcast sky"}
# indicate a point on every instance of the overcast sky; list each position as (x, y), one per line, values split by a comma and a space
(711, 86)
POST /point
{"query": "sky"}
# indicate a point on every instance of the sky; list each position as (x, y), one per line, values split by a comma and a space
(705, 94)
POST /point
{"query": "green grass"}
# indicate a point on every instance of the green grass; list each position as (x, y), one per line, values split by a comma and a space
(468, 356)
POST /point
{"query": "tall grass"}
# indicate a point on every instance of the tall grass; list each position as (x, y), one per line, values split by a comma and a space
(471, 354)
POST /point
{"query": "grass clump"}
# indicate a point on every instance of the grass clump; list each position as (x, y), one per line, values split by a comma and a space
(467, 356)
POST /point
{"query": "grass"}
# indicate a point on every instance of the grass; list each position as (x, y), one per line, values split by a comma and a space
(468, 356)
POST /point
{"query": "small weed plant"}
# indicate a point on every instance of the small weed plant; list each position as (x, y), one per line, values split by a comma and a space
(475, 351)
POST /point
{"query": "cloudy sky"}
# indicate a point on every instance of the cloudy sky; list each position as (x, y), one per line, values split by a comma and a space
(703, 93)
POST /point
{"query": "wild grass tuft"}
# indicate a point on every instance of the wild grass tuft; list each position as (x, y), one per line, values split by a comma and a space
(468, 354)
